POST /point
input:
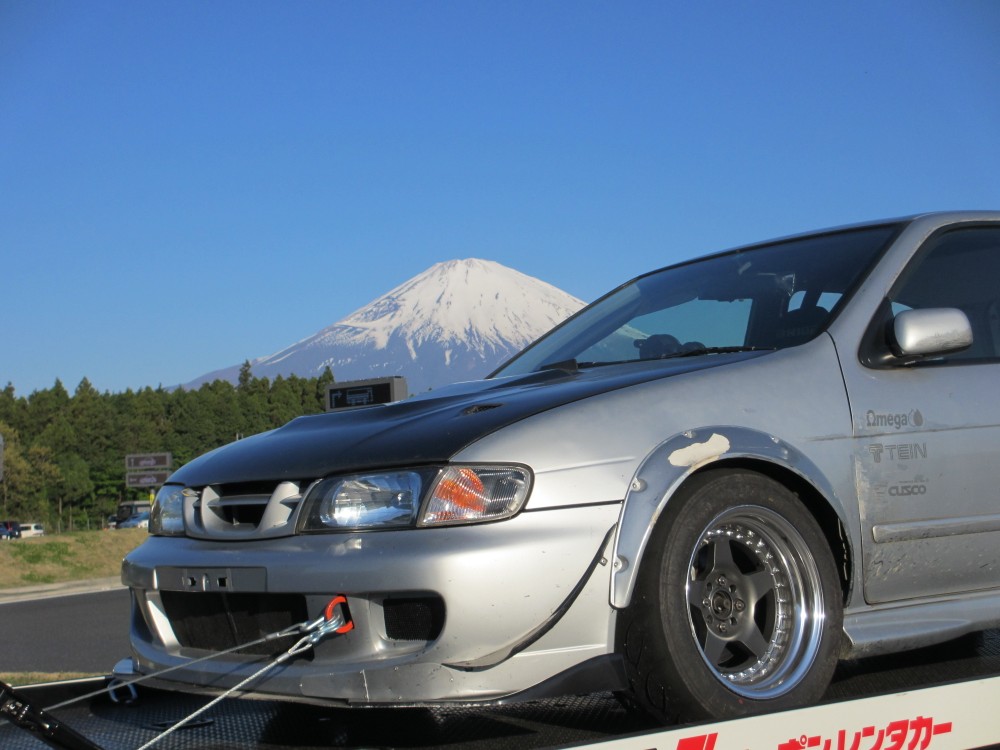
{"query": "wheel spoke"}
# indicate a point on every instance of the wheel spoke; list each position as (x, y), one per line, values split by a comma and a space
(760, 583)
(722, 555)
(714, 648)
(755, 641)
(695, 593)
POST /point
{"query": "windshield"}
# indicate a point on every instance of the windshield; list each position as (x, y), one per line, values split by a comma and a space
(765, 297)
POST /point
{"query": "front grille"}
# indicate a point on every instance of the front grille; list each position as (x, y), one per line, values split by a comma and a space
(243, 510)
(413, 619)
(219, 621)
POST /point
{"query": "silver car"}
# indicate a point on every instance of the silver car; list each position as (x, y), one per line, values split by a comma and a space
(700, 492)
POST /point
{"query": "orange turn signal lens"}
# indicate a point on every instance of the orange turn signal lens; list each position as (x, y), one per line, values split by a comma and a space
(474, 494)
(463, 489)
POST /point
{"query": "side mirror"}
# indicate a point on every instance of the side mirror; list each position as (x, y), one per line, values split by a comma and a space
(918, 334)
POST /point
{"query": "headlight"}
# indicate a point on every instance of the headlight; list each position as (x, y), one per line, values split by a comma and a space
(428, 497)
(166, 518)
(363, 501)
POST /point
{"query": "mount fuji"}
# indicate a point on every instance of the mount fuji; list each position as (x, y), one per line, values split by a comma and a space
(458, 320)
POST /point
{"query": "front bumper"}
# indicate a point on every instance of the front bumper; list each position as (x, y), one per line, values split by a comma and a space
(497, 609)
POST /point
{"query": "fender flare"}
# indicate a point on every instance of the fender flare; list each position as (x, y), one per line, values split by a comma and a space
(666, 468)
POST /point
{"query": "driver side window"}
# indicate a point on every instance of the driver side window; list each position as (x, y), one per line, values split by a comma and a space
(959, 269)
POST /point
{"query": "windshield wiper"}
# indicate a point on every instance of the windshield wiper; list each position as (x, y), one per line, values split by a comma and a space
(571, 366)
(697, 352)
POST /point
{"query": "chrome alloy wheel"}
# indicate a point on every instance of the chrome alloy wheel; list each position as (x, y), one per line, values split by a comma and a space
(755, 602)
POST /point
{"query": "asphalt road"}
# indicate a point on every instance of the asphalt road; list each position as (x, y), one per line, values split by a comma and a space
(79, 633)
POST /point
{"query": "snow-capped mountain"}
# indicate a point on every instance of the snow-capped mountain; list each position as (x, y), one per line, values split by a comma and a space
(458, 320)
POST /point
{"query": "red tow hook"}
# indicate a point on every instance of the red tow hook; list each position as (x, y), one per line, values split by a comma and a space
(331, 614)
(335, 620)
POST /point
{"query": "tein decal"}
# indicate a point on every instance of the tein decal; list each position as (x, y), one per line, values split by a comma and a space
(897, 451)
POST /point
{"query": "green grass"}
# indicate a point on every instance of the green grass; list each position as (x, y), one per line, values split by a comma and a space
(65, 557)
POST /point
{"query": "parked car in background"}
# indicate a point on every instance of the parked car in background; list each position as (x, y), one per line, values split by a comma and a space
(138, 521)
(32, 529)
(12, 529)
(131, 508)
(700, 492)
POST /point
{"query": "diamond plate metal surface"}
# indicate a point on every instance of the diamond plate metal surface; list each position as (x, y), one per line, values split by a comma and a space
(270, 725)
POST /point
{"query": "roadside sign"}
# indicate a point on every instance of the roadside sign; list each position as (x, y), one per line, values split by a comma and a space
(147, 470)
(148, 461)
(146, 478)
(354, 393)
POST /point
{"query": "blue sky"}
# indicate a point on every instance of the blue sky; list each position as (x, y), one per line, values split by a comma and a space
(185, 185)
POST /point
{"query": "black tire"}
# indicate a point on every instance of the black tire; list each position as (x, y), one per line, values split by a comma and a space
(738, 607)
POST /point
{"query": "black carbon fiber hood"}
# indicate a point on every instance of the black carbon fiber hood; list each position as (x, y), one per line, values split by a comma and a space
(424, 430)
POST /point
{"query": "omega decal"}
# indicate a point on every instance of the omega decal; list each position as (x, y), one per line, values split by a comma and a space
(895, 420)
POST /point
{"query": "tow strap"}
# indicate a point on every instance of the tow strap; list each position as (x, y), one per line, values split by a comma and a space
(20, 712)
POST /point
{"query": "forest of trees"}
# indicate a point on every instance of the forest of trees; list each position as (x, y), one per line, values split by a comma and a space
(64, 455)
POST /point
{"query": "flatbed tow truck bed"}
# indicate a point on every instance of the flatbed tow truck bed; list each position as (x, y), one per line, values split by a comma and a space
(946, 696)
